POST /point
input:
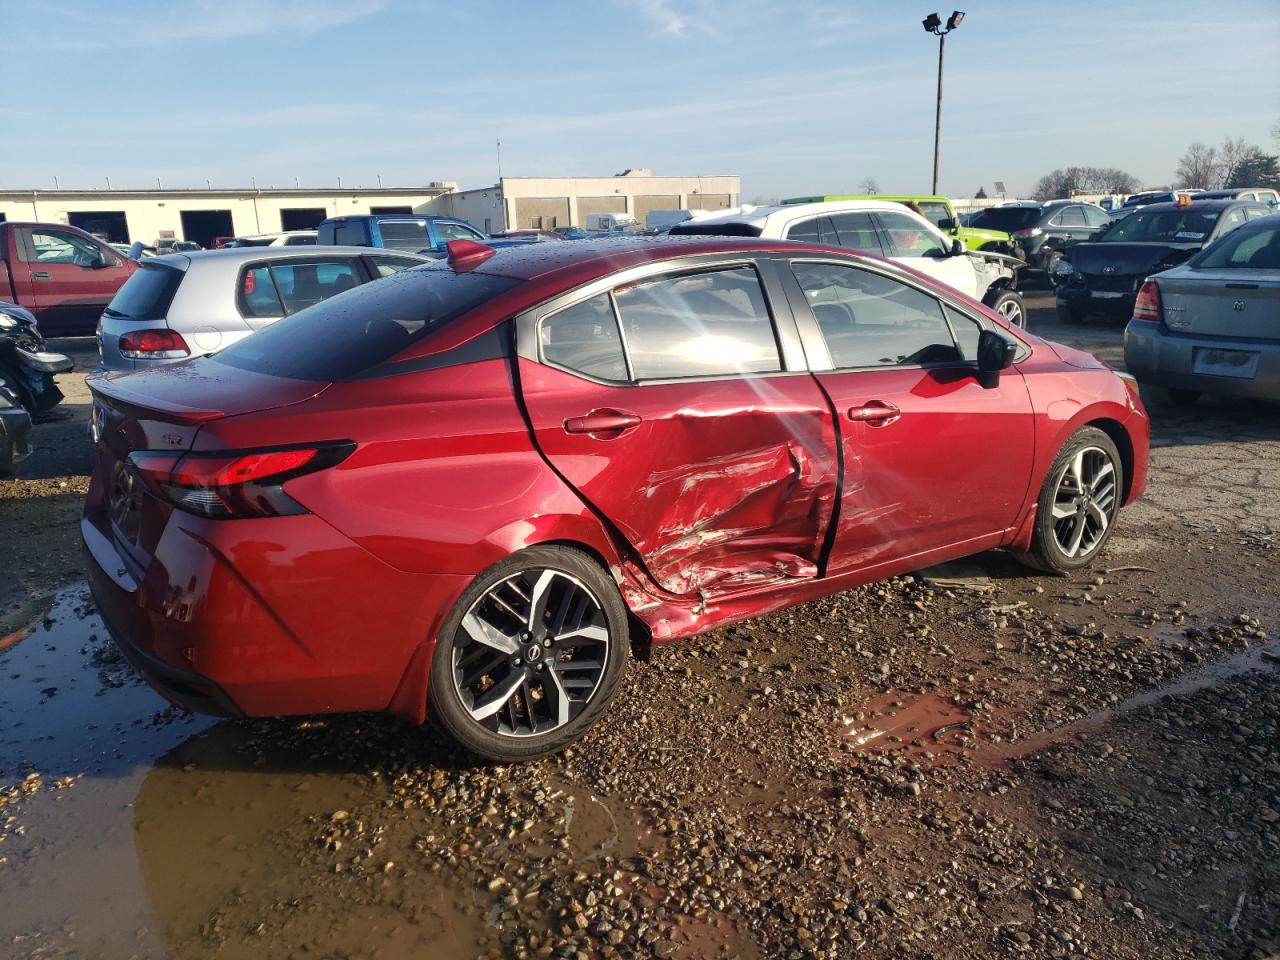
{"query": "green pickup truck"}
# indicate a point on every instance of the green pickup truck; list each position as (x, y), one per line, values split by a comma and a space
(939, 212)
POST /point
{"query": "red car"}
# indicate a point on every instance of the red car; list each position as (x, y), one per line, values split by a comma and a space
(466, 490)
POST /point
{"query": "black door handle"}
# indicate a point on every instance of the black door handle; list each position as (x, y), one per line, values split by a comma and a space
(602, 421)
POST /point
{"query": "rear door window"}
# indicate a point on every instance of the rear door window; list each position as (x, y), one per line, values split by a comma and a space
(404, 234)
(857, 231)
(351, 233)
(584, 338)
(279, 289)
(712, 323)
(870, 320)
(447, 231)
(806, 231)
(1072, 216)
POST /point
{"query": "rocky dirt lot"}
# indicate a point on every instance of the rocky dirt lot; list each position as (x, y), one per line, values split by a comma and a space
(970, 762)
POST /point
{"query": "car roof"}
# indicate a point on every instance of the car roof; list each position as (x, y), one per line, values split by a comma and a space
(758, 216)
(897, 198)
(598, 256)
(1202, 206)
(236, 255)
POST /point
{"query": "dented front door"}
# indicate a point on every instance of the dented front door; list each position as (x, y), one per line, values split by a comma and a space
(717, 465)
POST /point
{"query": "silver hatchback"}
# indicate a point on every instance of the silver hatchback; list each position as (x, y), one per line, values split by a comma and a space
(1212, 325)
(191, 304)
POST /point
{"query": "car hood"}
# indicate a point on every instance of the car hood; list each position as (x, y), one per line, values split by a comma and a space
(1126, 259)
(1076, 358)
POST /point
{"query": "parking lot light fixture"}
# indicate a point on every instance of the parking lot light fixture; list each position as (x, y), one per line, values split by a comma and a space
(933, 24)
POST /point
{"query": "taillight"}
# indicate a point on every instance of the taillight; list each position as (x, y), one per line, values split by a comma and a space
(235, 485)
(1026, 234)
(153, 345)
(1148, 307)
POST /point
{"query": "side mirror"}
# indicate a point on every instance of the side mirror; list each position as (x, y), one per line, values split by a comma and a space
(946, 223)
(995, 353)
(957, 248)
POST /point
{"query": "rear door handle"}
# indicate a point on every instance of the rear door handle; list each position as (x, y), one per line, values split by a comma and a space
(40, 275)
(877, 413)
(602, 422)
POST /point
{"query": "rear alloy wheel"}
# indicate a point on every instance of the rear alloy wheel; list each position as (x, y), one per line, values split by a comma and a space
(531, 655)
(1078, 503)
(1009, 305)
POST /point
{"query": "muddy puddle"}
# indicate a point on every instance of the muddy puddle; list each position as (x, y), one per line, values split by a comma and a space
(931, 728)
(130, 829)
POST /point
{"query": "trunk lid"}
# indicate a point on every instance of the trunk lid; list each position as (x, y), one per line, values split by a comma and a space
(1222, 303)
(163, 410)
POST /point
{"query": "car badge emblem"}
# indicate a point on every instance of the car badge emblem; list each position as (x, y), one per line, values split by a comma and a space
(1108, 270)
(1238, 306)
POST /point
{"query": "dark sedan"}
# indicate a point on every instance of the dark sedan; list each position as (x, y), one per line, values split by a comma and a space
(1102, 277)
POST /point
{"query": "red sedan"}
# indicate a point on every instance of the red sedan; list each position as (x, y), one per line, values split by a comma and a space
(466, 490)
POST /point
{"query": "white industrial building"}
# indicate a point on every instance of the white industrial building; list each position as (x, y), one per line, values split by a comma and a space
(543, 203)
(124, 216)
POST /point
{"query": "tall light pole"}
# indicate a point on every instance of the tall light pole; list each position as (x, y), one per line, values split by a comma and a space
(933, 24)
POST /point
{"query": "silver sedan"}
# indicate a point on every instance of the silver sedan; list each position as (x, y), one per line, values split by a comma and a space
(1212, 325)
(191, 304)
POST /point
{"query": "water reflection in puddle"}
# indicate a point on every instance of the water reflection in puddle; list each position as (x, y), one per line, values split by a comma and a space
(130, 829)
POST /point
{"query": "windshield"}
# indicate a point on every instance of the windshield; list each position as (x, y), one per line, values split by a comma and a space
(1166, 226)
(1249, 249)
(344, 335)
(934, 212)
(1007, 219)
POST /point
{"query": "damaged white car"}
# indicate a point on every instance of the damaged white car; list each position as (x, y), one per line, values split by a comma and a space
(887, 230)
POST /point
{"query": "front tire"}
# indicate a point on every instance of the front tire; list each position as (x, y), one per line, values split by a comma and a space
(530, 656)
(1009, 305)
(1078, 504)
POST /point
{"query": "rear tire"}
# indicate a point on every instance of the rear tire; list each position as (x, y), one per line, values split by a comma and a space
(6, 457)
(530, 656)
(1078, 503)
(1009, 305)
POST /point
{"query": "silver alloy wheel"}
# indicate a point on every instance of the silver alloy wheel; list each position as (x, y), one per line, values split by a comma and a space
(530, 653)
(1084, 502)
(1011, 310)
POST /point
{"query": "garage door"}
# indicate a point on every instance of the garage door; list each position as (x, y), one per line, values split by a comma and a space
(708, 201)
(541, 213)
(646, 202)
(589, 205)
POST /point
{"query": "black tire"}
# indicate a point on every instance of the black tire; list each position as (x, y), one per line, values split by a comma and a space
(1170, 396)
(1009, 305)
(1047, 551)
(6, 457)
(463, 669)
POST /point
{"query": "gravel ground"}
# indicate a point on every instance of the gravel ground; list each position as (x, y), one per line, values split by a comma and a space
(971, 762)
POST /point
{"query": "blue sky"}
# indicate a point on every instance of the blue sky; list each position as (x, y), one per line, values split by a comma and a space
(796, 97)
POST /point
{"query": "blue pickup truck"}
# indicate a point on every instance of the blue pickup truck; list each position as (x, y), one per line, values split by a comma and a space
(404, 231)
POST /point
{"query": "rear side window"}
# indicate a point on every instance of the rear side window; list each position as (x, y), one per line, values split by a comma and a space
(278, 289)
(346, 335)
(404, 234)
(146, 295)
(584, 338)
(857, 231)
(806, 231)
(457, 231)
(351, 233)
(1071, 217)
(386, 266)
(714, 323)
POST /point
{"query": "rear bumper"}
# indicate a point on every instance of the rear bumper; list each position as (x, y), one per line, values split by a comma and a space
(1084, 302)
(277, 617)
(1157, 356)
(15, 429)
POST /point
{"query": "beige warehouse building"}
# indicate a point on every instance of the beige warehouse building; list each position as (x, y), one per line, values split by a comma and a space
(544, 203)
(124, 216)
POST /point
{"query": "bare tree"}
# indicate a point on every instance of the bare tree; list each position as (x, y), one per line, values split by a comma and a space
(1066, 183)
(869, 185)
(1199, 167)
(1230, 155)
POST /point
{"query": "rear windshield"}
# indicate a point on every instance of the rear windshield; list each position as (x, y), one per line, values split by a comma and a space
(1251, 249)
(1167, 226)
(146, 295)
(715, 230)
(340, 337)
(1007, 219)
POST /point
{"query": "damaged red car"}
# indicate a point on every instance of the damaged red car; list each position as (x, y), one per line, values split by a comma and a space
(467, 491)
